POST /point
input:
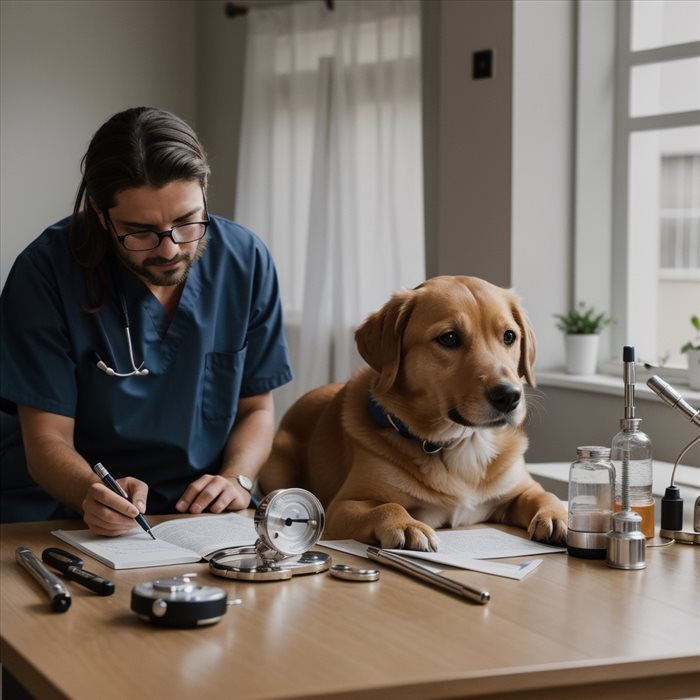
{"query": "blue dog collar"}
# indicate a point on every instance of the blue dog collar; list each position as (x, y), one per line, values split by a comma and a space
(387, 420)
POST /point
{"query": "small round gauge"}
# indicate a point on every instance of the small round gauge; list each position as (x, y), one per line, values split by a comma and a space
(289, 521)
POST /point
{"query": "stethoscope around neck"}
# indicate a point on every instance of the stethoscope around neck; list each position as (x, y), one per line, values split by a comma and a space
(139, 371)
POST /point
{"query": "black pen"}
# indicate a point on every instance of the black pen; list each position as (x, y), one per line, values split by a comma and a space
(110, 482)
(54, 589)
(72, 568)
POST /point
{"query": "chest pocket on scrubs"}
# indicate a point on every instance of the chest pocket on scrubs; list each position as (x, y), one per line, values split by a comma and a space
(223, 372)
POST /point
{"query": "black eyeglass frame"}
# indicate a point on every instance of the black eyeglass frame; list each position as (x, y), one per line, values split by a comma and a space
(161, 234)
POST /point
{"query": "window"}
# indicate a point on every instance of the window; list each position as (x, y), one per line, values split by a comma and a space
(657, 135)
(339, 84)
(680, 215)
(649, 80)
(330, 168)
(679, 251)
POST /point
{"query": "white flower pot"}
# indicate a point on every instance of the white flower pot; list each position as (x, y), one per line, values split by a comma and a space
(581, 353)
(694, 368)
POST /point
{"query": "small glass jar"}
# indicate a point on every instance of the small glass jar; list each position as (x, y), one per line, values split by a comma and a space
(591, 502)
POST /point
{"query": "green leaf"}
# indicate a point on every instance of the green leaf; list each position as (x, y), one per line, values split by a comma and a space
(694, 343)
(582, 321)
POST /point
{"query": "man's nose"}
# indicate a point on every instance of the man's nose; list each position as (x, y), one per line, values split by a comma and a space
(167, 246)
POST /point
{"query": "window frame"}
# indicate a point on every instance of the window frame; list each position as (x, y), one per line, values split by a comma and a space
(603, 126)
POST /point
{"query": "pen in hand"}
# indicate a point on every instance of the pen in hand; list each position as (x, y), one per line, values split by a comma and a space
(111, 483)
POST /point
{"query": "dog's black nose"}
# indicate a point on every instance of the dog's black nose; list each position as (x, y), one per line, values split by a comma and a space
(504, 397)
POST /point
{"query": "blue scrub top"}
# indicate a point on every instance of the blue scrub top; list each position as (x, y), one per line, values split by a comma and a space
(226, 341)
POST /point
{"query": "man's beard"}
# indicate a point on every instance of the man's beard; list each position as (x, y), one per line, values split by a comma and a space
(168, 278)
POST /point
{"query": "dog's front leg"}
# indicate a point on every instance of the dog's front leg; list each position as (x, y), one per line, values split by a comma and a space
(372, 522)
(541, 513)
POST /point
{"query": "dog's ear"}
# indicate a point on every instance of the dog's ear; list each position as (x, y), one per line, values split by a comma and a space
(528, 346)
(379, 338)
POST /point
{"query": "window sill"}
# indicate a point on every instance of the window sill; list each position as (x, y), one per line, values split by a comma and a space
(613, 386)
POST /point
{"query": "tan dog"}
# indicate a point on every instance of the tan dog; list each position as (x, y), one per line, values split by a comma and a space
(429, 435)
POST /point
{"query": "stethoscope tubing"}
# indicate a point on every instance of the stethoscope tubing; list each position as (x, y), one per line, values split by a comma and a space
(139, 371)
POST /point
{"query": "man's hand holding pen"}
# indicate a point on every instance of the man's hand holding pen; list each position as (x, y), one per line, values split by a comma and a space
(107, 512)
(110, 507)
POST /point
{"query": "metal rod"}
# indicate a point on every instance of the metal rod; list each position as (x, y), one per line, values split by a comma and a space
(237, 9)
(416, 570)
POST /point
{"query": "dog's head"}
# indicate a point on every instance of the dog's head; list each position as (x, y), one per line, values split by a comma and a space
(451, 353)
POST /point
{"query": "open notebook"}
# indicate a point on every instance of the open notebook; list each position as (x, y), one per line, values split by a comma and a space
(179, 541)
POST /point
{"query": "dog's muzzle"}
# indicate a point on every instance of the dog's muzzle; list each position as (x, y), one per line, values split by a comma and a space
(504, 398)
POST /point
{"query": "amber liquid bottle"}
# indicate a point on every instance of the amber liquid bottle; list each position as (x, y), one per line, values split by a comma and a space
(631, 448)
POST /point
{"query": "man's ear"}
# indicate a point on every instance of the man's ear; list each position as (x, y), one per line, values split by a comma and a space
(98, 212)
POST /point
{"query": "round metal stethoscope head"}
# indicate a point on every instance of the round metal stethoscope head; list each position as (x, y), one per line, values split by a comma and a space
(288, 523)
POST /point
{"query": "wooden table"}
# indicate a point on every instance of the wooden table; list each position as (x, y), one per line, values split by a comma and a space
(573, 629)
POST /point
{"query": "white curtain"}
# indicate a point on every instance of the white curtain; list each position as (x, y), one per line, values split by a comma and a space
(330, 168)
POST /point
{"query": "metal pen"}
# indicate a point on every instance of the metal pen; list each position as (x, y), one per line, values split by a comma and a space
(111, 483)
(53, 587)
(412, 568)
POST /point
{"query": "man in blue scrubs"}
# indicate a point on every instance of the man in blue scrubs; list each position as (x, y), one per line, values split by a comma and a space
(144, 333)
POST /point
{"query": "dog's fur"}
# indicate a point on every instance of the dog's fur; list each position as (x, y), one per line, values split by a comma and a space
(446, 359)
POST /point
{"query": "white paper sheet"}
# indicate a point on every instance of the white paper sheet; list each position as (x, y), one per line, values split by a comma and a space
(469, 549)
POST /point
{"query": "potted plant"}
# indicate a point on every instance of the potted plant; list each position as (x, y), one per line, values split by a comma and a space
(692, 348)
(581, 327)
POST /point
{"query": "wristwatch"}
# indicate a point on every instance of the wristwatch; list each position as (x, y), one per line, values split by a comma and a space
(245, 482)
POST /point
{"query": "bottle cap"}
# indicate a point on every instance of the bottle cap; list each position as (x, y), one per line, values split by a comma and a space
(630, 425)
(672, 509)
(593, 451)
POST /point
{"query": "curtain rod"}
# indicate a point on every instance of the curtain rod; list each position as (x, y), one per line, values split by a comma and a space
(235, 9)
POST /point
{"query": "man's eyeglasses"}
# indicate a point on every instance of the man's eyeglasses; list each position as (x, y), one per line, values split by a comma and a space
(149, 240)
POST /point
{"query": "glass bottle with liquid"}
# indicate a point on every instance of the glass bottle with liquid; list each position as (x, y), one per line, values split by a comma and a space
(591, 501)
(632, 447)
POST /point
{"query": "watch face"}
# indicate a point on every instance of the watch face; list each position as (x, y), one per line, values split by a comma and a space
(245, 482)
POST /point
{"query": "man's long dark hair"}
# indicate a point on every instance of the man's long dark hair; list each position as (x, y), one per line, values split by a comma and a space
(143, 146)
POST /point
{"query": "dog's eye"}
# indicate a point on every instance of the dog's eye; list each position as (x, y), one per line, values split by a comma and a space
(449, 339)
(509, 337)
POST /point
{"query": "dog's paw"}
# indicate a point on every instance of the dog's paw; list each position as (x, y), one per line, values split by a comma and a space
(549, 525)
(411, 535)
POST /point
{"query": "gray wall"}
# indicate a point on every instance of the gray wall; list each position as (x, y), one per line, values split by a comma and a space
(67, 65)
(220, 55)
(498, 153)
(563, 419)
(470, 133)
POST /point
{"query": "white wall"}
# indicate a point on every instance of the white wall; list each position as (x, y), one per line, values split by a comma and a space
(499, 153)
(468, 140)
(66, 66)
(542, 165)
(219, 86)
